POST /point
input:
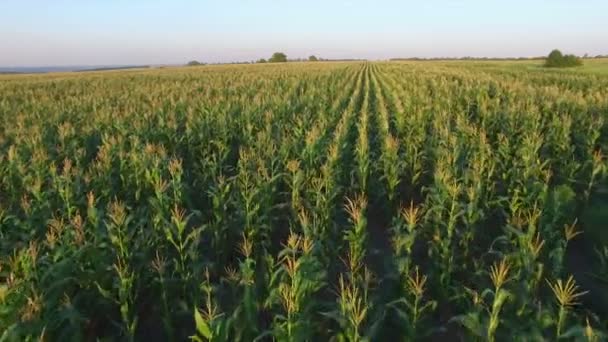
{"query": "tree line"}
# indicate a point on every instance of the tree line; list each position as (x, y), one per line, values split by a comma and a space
(555, 59)
(277, 57)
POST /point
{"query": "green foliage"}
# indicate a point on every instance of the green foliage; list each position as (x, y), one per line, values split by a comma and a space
(556, 59)
(278, 57)
(313, 58)
(303, 202)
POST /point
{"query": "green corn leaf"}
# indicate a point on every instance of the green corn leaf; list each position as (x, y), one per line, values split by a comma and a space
(201, 326)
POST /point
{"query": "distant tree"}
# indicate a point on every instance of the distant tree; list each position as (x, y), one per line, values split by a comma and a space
(312, 58)
(278, 57)
(572, 60)
(261, 60)
(556, 59)
(193, 63)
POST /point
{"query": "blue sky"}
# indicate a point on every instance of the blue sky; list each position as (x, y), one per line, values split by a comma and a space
(106, 32)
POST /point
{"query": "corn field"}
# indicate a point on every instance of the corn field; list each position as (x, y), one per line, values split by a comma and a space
(301, 202)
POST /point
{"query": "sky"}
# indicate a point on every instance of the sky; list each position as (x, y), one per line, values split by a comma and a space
(127, 32)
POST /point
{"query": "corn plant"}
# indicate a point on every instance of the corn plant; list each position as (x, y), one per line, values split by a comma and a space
(353, 305)
(298, 278)
(210, 324)
(123, 289)
(566, 295)
(406, 228)
(244, 320)
(413, 308)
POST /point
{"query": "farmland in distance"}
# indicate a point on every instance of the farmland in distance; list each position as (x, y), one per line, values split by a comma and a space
(350, 201)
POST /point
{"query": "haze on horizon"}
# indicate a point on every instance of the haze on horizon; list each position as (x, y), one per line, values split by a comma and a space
(113, 32)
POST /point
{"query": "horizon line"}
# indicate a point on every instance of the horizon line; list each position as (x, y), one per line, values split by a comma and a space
(250, 61)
